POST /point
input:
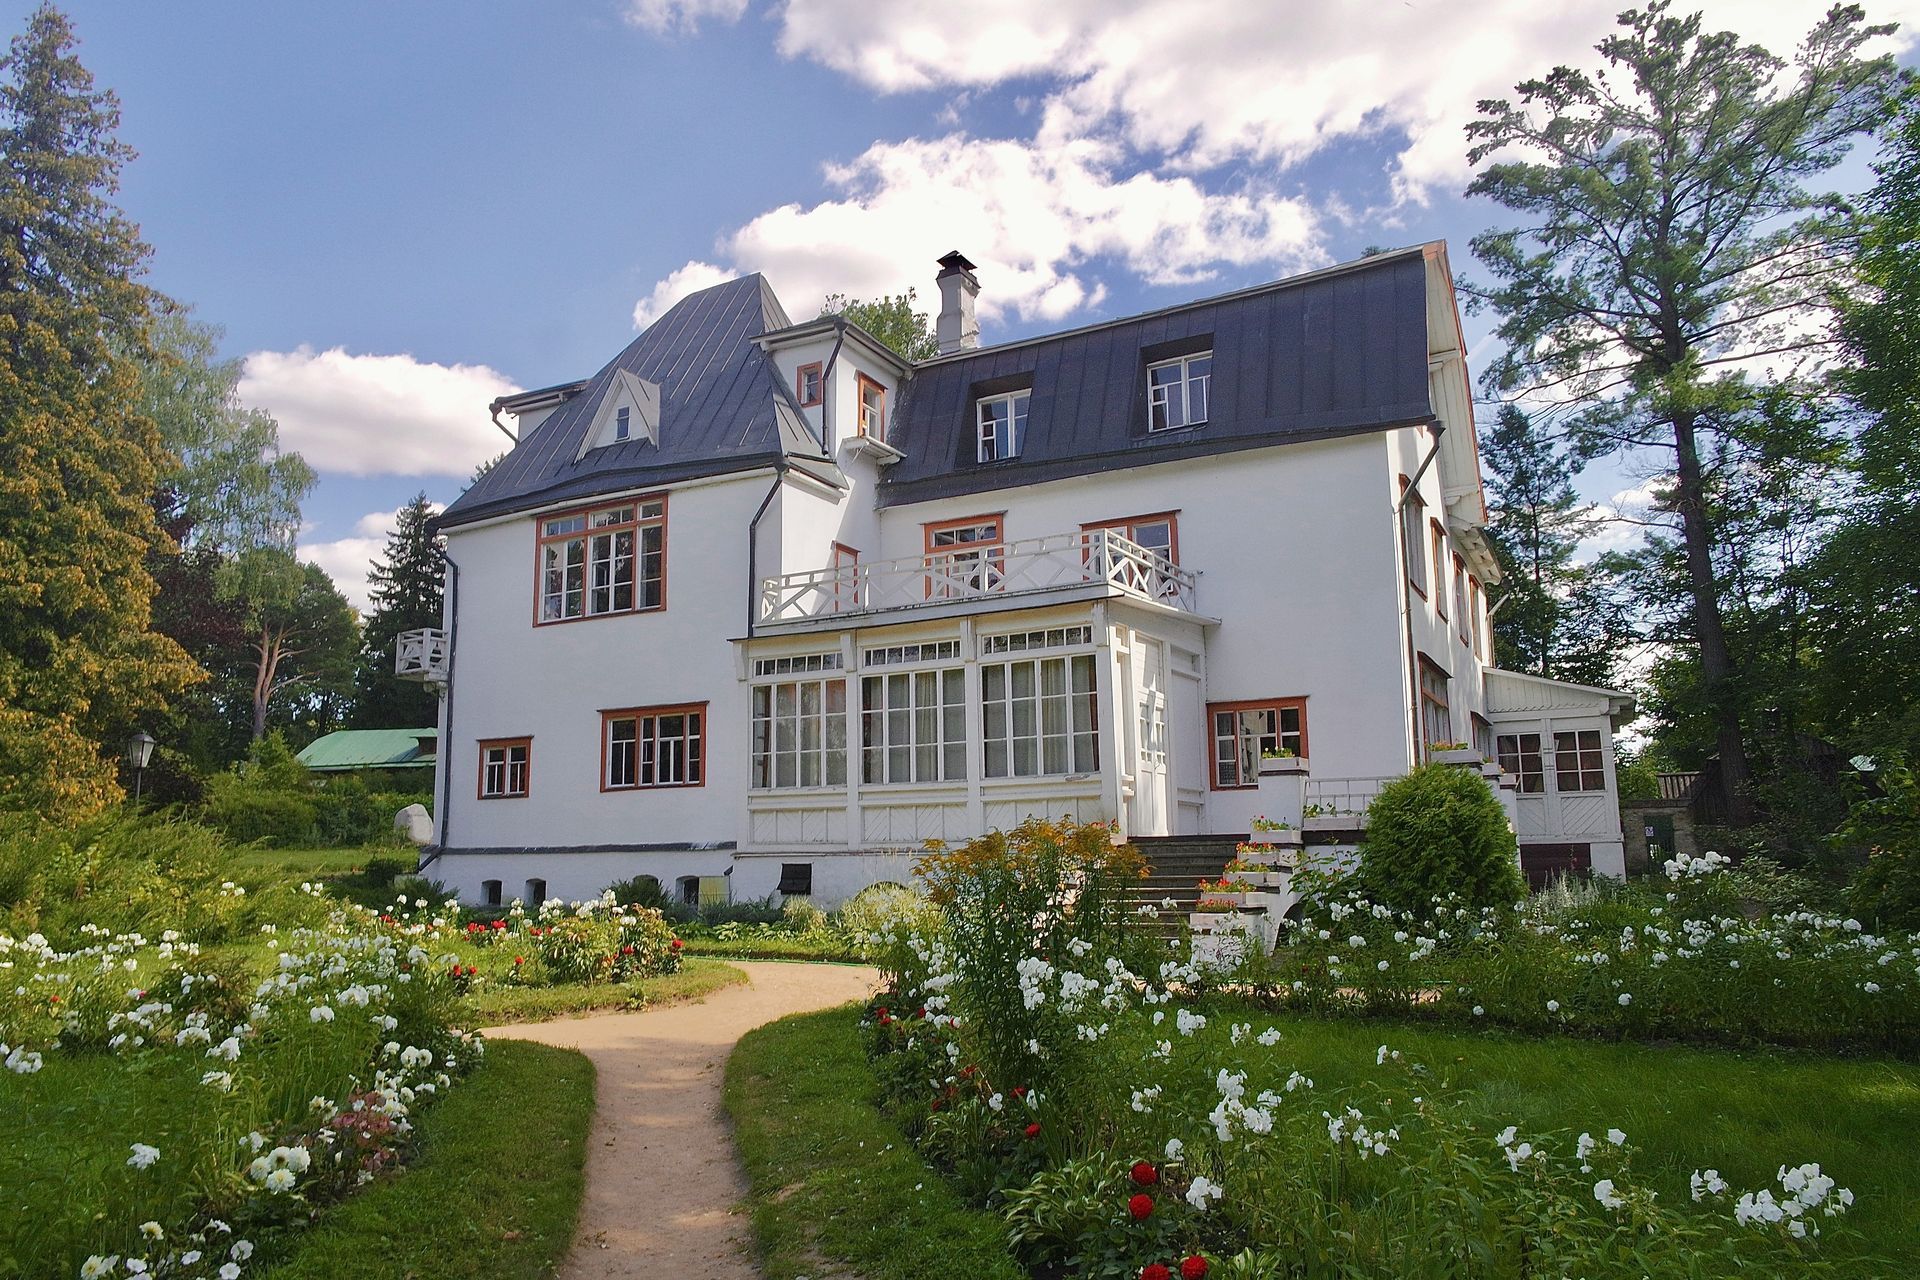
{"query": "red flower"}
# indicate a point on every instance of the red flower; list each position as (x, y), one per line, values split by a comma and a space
(1155, 1271)
(677, 944)
(1019, 1091)
(1193, 1268)
(1145, 1174)
(519, 959)
(499, 924)
(626, 951)
(1141, 1207)
(1033, 1130)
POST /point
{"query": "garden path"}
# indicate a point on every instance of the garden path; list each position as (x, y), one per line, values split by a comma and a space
(662, 1180)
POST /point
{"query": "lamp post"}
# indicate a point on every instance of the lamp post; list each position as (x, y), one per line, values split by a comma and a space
(139, 751)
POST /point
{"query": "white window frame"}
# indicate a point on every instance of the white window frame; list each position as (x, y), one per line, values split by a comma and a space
(799, 734)
(1060, 736)
(1580, 753)
(988, 443)
(921, 713)
(1162, 396)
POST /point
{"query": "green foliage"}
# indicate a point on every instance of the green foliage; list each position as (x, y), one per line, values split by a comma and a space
(606, 946)
(78, 460)
(639, 891)
(894, 319)
(879, 905)
(1887, 825)
(1436, 833)
(270, 797)
(405, 587)
(302, 637)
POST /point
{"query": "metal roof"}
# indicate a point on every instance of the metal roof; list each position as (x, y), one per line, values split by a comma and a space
(723, 407)
(371, 749)
(1331, 353)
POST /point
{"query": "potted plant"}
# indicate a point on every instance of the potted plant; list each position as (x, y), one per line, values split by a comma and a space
(1453, 753)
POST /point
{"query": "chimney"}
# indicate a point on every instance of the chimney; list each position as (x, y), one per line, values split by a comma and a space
(957, 328)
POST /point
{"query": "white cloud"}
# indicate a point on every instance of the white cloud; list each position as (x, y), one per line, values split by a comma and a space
(1208, 82)
(347, 560)
(377, 414)
(1034, 218)
(664, 16)
(691, 278)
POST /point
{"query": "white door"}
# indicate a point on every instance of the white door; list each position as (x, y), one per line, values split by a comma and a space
(1148, 816)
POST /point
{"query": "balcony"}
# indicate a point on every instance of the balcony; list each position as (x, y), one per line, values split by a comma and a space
(421, 655)
(1062, 567)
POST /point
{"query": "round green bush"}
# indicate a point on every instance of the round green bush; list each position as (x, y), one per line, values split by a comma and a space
(1438, 833)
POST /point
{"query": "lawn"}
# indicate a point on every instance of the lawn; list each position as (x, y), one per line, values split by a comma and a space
(832, 1178)
(696, 980)
(492, 1193)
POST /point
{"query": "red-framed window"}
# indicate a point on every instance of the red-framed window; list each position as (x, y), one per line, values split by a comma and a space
(808, 384)
(646, 747)
(506, 768)
(1244, 732)
(602, 560)
(1413, 532)
(1462, 610)
(965, 557)
(1159, 532)
(1438, 542)
(1476, 603)
(872, 408)
(1436, 715)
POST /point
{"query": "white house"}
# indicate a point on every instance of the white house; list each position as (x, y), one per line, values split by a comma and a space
(761, 607)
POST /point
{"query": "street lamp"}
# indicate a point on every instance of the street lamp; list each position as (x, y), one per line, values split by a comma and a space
(139, 751)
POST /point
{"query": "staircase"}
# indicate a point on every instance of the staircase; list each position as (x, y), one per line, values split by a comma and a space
(1175, 867)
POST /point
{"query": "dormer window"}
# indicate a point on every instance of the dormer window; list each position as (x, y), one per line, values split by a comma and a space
(873, 408)
(1003, 425)
(806, 385)
(1178, 391)
(623, 424)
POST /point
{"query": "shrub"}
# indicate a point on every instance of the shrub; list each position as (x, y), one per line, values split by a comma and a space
(878, 905)
(639, 891)
(1887, 825)
(603, 942)
(269, 797)
(1439, 832)
(801, 916)
(348, 811)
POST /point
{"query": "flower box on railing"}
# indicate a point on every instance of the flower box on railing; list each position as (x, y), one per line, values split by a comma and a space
(1282, 766)
(1455, 755)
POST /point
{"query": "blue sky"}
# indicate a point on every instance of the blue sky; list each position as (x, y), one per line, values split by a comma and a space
(398, 211)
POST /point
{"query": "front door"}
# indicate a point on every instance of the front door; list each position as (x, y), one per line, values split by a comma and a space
(1148, 815)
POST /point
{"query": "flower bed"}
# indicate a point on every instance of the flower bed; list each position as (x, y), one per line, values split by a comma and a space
(1060, 1069)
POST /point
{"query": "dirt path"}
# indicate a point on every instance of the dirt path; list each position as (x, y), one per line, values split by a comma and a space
(662, 1180)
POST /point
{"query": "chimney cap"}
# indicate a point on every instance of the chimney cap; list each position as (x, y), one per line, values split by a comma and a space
(954, 261)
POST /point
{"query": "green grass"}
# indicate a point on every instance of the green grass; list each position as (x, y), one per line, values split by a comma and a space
(696, 980)
(1744, 1112)
(306, 864)
(833, 1182)
(795, 947)
(494, 1190)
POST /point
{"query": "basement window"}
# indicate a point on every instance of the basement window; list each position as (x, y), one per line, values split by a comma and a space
(796, 879)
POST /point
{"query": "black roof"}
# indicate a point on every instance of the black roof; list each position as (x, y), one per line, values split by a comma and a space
(723, 407)
(1336, 352)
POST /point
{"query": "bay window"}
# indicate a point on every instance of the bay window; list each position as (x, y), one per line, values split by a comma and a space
(913, 726)
(1038, 717)
(800, 734)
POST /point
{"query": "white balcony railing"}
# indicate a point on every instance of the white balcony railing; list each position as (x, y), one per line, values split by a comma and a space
(1341, 801)
(421, 655)
(1095, 557)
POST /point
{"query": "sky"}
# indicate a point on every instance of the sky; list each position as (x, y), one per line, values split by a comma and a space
(398, 212)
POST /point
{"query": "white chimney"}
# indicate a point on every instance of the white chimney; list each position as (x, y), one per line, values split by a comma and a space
(957, 329)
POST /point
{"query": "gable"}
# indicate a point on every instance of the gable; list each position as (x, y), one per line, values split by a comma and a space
(630, 410)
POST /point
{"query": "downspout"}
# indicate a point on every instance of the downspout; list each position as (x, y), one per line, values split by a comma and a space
(753, 541)
(493, 411)
(826, 387)
(446, 737)
(1406, 588)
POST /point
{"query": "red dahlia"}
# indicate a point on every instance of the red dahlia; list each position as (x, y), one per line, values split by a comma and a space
(1145, 1174)
(1141, 1207)
(1155, 1271)
(1194, 1268)
(1033, 1130)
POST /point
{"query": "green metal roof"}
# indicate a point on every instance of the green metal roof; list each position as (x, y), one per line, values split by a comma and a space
(371, 749)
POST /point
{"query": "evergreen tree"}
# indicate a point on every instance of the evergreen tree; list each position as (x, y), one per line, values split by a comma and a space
(78, 461)
(1668, 239)
(406, 583)
(1536, 520)
(894, 319)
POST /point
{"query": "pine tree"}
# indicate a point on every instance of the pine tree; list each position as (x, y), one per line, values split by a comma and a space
(1535, 522)
(406, 583)
(78, 461)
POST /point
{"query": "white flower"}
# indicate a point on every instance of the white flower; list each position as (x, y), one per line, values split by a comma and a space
(1202, 1191)
(1553, 1006)
(1617, 1137)
(1270, 1037)
(1707, 1184)
(321, 1013)
(152, 1231)
(1188, 1023)
(143, 1155)
(1479, 1011)
(1603, 1192)
(98, 1266)
(242, 1250)
(1626, 998)
(280, 1180)
(229, 1271)
(1174, 1149)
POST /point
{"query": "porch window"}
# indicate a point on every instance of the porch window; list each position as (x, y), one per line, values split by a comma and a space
(607, 560)
(800, 734)
(1178, 392)
(1483, 737)
(504, 768)
(1436, 718)
(1413, 531)
(1519, 755)
(965, 557)
(873, 408)
(913, 726)
(1243, 732)
(1159, 533)
(653, 747)
(1578, 764)
(806, 384)
(1038, 717)
(1003, 425)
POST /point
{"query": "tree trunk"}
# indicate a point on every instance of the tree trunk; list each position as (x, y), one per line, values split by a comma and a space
(264, 672)
(1716, 663)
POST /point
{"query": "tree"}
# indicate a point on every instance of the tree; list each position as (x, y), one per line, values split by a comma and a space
(1669, 242)
(891, 318)
(78, 461)
(301, 635)
(229, 479)
(406, 583)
